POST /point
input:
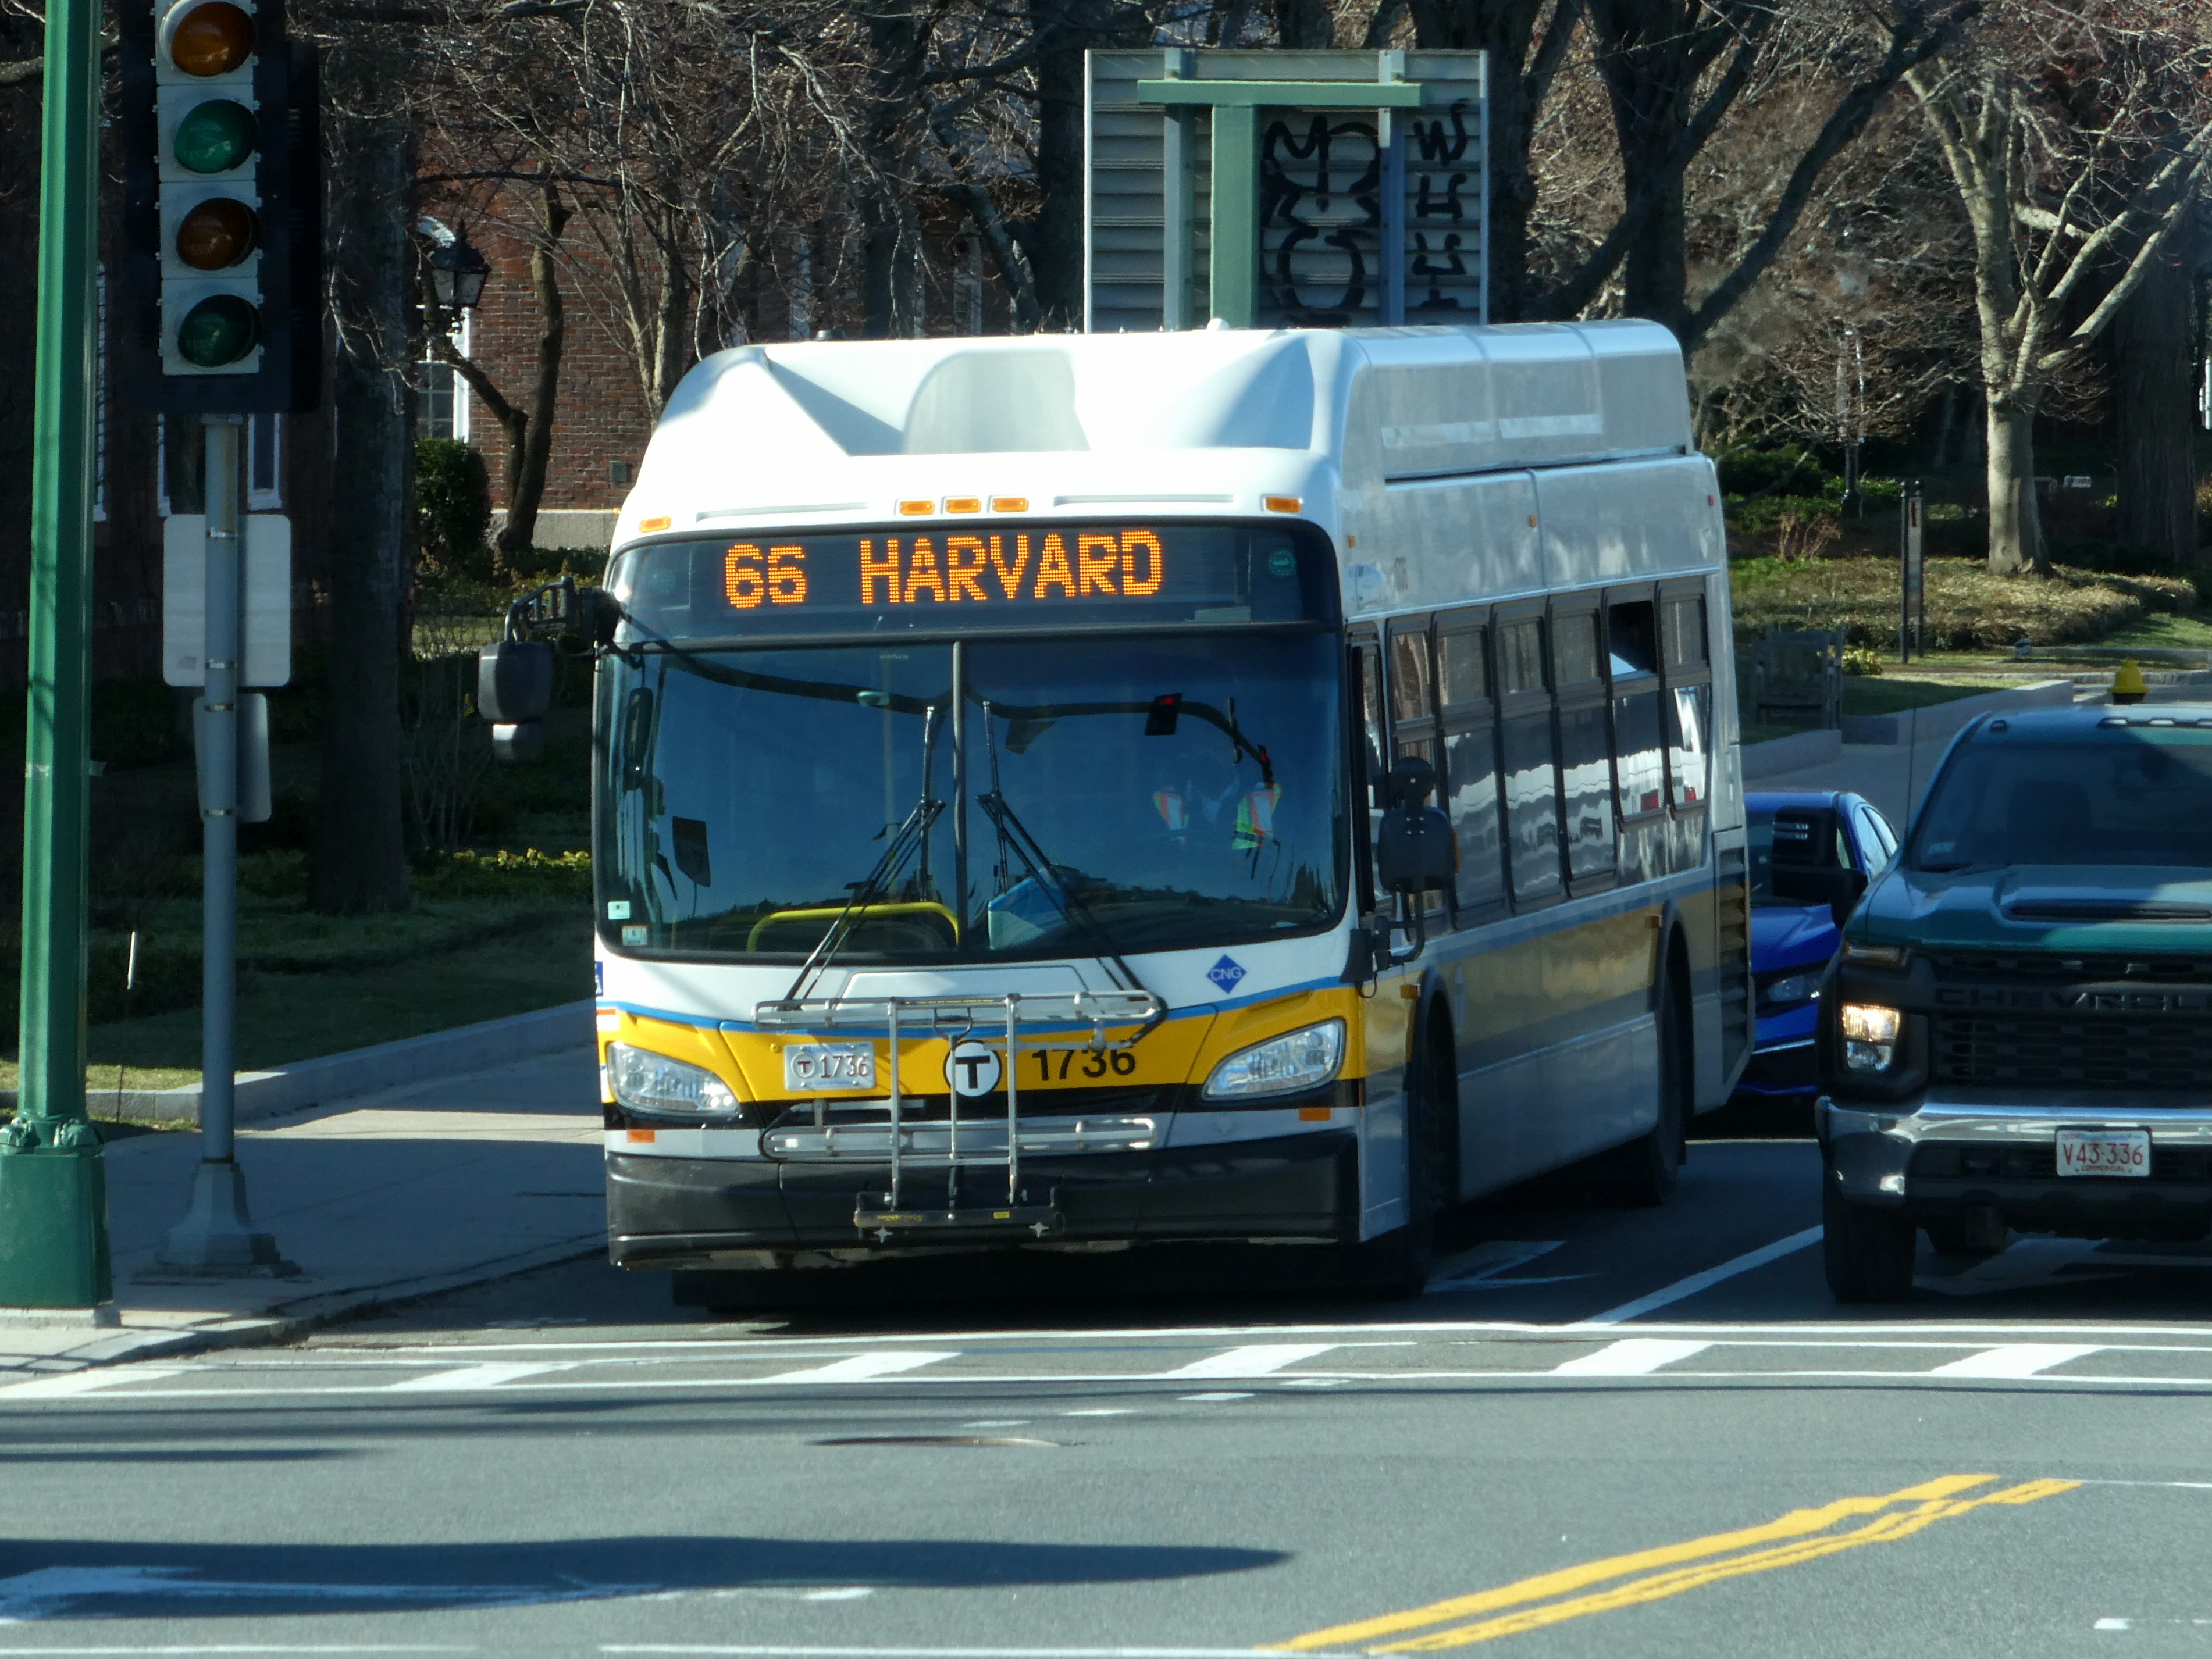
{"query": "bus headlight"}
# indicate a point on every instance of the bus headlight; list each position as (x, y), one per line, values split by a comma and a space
(1869, 1036)
(1296, 1061)
(654, 1082)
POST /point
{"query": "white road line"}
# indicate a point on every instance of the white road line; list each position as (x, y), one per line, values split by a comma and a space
(1712, 1276)
(862, 1366)
(1256, 1359)
(1632, 1356)
(469, 1378)
(2014, 1360)
(85, 1382)
(954, 1653)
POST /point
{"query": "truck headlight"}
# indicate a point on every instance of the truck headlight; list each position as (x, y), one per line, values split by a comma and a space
(1296, 1061)
(1869, 1036)
(654, 1082)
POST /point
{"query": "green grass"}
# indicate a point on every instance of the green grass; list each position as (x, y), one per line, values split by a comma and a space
(2164, 630)
(283, 1017)
(1867, 694)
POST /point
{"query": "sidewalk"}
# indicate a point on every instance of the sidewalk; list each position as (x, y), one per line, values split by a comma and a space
(380, 1198)
(1893, 775)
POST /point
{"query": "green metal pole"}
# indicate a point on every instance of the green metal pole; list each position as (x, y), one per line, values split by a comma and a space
(53, 1206)
(1233, 282)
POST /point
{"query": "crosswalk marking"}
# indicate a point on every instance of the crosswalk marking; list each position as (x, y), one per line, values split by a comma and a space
(1256, 1359)
(470, 1378)
(862, 1366)
(1632, 1356)
(2014, 1360)
(85, 1382)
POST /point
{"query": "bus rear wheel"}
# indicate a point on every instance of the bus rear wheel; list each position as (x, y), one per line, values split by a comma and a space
(1643, 1173)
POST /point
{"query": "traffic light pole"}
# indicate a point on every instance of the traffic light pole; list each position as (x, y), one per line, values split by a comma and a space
(215, 1236)
(53, 1195)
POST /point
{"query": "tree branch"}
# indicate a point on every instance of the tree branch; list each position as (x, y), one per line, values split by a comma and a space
(1848, 120)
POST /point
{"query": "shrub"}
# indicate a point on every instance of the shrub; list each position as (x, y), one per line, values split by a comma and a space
(1750, 471)
(1968, 609)
(529, 873)
(453, 499)
(1862, 659)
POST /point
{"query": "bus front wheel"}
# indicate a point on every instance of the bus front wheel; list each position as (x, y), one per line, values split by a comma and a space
(1397, 1264)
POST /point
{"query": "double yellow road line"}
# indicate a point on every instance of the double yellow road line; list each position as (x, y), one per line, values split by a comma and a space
(1652, 1575)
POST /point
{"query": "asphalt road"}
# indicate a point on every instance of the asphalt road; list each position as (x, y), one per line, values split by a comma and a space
(1601, 1433)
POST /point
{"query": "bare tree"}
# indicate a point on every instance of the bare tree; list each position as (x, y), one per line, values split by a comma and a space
(528, 425)
(2074, 144)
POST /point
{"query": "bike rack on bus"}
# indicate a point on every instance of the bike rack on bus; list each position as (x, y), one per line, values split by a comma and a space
(955, 1018)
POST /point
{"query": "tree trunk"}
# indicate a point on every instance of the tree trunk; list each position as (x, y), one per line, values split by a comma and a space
(1062, 29)
(359, 858)
(1305, 25)
(1643, 55)
(2154, 353)
(2015, 522)
(530, 452)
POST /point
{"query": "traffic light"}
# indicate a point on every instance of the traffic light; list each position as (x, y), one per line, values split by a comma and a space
(221, 225)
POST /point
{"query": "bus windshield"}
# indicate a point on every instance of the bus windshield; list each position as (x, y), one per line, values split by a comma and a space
(1104, 793)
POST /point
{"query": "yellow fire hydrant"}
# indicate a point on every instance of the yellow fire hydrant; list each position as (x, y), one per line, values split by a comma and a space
(2127, 686)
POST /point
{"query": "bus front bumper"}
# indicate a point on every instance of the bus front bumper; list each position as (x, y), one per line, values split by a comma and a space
(679, 1212)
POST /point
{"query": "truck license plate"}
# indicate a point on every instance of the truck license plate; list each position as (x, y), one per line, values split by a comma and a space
(810, 1065)
(2105, 1152)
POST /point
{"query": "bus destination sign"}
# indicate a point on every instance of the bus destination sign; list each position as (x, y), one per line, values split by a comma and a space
(988, 576)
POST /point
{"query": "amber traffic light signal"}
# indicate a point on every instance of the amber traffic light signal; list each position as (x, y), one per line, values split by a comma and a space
(222, 210)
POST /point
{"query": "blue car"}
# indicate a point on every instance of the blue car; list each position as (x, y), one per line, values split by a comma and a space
(1792, 943)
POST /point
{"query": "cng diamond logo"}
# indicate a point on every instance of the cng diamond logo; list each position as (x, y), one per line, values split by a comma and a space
(1226, 973)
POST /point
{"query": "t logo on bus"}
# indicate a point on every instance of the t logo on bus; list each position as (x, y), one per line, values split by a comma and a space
(972, 1069)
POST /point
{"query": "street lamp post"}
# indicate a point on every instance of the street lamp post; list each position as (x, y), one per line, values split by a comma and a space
(53, 1203)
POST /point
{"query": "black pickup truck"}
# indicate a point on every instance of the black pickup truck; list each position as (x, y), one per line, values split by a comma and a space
(2017, 1032)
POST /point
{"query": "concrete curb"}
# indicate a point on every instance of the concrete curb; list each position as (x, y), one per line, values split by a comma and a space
(112, 1347)
(1792, 753)
(365, 1071)
(1943, 719)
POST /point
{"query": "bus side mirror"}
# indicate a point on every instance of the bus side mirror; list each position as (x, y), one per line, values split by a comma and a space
(515, 689)
(599, 614)
(1414, 851)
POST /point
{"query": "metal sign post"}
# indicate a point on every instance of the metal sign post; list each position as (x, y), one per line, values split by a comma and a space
(53, 1201)
(1912, 605)
(215, 1236)
(1332, 188)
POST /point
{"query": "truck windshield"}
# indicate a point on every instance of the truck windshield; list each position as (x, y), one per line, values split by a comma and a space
(1173, 793)
(2141, 797)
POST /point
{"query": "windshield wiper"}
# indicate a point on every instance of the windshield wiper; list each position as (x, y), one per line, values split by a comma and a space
(1046, 874)
(911, 836)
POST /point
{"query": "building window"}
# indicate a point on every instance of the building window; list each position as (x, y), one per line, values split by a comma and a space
(442, 397)
(264, 438)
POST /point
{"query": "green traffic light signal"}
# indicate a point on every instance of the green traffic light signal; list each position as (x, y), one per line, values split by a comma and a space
(218, 331)
(216, 137)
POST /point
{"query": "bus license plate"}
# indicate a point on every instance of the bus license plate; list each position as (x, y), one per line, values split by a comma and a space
(2105, 1152)
(809, 1066)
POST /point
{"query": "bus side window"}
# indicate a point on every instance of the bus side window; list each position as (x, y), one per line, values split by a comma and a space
(1469, 783)
(1414, 706)
(1585, 751)
(1690, 700)
(1530, 757)
(1367, 678)
(1632, 658)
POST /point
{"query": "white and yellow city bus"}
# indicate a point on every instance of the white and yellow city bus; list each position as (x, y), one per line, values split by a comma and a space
(990, 760)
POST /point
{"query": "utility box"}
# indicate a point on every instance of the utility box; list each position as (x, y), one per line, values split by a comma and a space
(1285, 189)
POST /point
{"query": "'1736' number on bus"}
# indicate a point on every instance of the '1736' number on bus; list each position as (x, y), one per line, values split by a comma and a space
(1094, 1064)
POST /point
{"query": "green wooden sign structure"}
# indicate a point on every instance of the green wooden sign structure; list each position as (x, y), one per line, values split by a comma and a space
(1358, 183)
